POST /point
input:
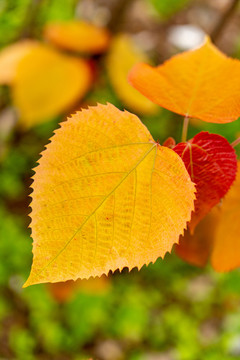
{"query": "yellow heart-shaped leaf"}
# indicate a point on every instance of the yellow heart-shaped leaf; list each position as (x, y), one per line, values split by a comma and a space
(105, 196)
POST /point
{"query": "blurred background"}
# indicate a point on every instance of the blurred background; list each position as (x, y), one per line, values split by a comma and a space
(51, 64)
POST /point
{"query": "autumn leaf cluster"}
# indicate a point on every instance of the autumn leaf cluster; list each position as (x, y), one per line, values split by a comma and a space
(51, 76)
(107, 196)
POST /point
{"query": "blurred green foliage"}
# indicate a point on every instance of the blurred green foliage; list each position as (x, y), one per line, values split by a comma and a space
(13, 15)
(168, 306)
(17, 17)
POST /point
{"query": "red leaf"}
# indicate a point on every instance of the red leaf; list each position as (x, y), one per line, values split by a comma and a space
(212, 165)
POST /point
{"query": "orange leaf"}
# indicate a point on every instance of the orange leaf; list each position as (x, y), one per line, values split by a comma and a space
(226, 252)
(48, 83)
(196, 248)
(10, 57)
(64, 291)
(105, 196)
(170, 143)
(78, 36)
(217, 235)
(122, 56)
(201, 83)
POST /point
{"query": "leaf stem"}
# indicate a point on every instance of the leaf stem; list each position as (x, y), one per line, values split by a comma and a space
(236, 142)
(185, 128)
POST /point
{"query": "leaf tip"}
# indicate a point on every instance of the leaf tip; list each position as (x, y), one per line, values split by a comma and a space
(27, 283)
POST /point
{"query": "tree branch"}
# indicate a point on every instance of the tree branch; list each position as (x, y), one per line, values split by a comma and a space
(118, 14)
(217, 31)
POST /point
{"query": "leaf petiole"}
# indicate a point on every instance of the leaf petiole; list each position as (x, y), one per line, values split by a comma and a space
(235, 142)
(185, 128)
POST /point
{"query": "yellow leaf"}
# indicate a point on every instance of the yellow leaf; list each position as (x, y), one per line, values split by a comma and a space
(122, 56)
(48, 83)
(10, 57)
(105, 196)
(202, 83)
(226, 251)
(78, 36)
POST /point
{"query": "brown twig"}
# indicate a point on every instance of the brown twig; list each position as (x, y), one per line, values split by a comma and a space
(30, 21)
(217, 31)
(118, 14)
(4, 98)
